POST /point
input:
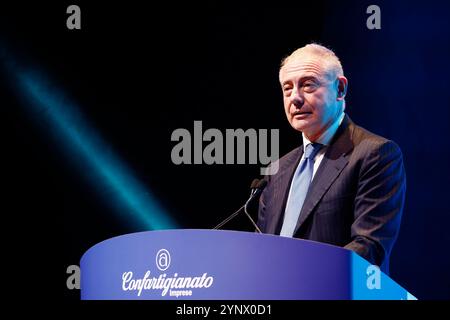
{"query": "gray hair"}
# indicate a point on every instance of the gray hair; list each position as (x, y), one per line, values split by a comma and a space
(332, 64)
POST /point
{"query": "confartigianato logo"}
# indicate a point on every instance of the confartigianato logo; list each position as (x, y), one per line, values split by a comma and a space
(176, 286)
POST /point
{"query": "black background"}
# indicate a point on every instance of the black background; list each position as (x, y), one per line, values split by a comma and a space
(137, 72)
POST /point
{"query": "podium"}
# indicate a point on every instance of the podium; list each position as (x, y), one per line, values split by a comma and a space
(228, 265)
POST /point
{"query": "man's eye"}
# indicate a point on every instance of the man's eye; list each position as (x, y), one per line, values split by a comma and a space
(309, 86)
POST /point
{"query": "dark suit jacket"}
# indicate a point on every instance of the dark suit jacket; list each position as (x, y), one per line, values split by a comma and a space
(355, 199)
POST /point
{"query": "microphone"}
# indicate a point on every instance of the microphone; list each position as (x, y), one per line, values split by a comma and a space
(257, 186)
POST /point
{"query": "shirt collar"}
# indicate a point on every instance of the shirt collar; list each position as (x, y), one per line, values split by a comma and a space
(325, 138)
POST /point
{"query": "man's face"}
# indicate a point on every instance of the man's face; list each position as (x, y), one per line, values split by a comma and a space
(310, 96)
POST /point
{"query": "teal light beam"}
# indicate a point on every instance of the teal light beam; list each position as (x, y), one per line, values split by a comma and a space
(93, 156)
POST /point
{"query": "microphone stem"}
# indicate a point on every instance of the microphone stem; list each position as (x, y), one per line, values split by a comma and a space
(229, 218)
(252, 195)
(249, 217)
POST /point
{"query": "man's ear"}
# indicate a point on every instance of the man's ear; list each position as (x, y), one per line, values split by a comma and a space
(342, 84)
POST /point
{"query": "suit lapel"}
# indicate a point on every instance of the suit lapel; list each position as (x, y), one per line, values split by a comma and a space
(333, 162)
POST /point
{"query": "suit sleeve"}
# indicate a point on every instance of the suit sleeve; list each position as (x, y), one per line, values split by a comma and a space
(378, 203)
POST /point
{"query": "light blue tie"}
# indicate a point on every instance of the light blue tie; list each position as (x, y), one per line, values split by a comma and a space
(299, 188)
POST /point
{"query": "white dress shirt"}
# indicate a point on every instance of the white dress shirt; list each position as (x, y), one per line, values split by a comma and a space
(324, 139)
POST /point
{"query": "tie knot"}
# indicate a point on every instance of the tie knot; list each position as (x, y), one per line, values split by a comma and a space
(311, 150)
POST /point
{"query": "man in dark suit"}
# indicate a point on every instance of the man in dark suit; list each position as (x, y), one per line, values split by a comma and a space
(343, 185)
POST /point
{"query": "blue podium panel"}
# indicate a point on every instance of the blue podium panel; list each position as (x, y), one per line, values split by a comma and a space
(228, 265)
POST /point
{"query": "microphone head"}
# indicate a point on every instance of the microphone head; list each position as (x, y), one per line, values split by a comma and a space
(261, 184)
(255, 184)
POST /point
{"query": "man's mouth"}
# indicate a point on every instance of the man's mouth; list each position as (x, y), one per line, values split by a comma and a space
(301, 114)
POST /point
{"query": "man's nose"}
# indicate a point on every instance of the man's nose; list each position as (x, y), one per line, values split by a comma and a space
(297, 98)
